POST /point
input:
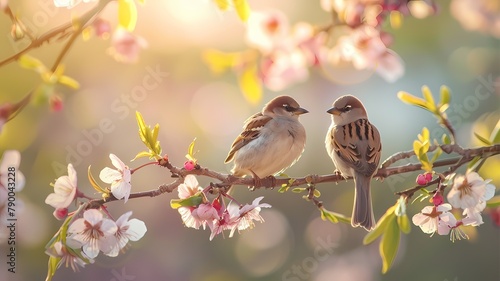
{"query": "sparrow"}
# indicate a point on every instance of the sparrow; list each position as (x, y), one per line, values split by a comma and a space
(354, 145)
(272, 140)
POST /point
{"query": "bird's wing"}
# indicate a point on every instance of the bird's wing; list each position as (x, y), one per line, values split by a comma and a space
(251, 131)
(358, 144)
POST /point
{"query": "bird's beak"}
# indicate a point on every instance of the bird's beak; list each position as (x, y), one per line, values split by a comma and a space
(334, 111)
(300, 111)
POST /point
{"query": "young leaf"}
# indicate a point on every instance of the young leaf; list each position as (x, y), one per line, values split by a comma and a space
(94, 184)
(482, 139)
(69, 82)
(495, 134)
(389, 244)
(30, 62)
(444, 102)
(242, 8)
(191, 201)
(250, 84)
(127, 14)
(53, 264)
(222, 4)
(285, 187)
(446, 139)
(404, 224)
(473, 163)
(219, 61)
(426, 92)
(333, 217)
(298, 189)
(413, 100)
(380, 226)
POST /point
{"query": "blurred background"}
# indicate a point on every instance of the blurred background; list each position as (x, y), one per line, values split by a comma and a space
(189, 102)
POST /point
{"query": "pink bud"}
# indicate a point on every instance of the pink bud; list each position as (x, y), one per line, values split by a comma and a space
(60, 213)
(56, 103)
(189, 165)
(437, 199)
(428, 177)
(421, 180)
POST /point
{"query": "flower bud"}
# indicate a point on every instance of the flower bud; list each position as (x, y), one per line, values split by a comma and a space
(60, 213)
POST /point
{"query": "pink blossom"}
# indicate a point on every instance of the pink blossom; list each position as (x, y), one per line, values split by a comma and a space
(119, 178)
(185, 190)
(68, 257)
(244, 217)
(470, 191)
(283, 68)
(477, 15)
(267, 30)
(125, 46)
(102, 28)
(132, 230)
(92, 232)
(434, 219)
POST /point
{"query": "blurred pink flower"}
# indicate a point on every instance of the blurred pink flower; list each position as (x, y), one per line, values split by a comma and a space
(365, 49)
(355, 12)
(11, 159)
(132, 230)
(125, 46)
(283, 68)
(92, 232)
(102, 28)
(119, 178)
(308, 41)
(267, 30)
(478, 15)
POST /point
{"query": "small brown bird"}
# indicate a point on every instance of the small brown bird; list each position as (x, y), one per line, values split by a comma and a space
(354, 145)
(271, 141)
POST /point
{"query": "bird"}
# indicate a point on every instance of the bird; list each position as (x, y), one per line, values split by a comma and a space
(354, 146)
(271, 141)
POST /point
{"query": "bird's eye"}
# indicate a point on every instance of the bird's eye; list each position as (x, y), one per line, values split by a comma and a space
(347, 108)
(287, 107)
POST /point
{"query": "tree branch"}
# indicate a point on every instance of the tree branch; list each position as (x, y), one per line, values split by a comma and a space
(227, 180)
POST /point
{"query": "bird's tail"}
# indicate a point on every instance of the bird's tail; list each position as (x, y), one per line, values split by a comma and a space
(362, 212)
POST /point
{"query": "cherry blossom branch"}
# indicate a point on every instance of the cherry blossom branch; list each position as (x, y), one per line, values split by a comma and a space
(228, 180)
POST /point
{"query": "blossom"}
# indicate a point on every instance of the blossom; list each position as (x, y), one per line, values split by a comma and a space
(248, 213)
(477, 15)
(365, 47)
(11, 160)
(92, 232)
(65, 190)
(283, 68)
(434, 219)
(267, 30)
(125, 46)
(185, 190)
(119, 178)
(102, 28)
(68, 256)
(132, 230)
(205, 213)
(470, 192)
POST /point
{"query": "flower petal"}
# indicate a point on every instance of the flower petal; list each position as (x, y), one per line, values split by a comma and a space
(137, 229)
(109, 175)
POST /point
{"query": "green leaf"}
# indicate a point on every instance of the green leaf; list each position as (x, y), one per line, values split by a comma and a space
(417, 145)
(317, 193)
(380, 226)
(142, 154)
(493, 202)
(404, 223)
(426, 92)
(127, 14)
(219, 61)
(444, 102)
(250, 84)
(333, 217)
(191, 201)
(482, 139)
(446, 139)
(94, 184)
(30, 62)
(52, 267)
(285, 187)
(413, 100)
(298, 189)
(242, 8)
(436, 155)
(69, 82)
(495, 134)
(389, 244)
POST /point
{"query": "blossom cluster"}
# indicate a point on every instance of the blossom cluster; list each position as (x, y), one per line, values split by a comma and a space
(214, 214)
(92, 231)
(468, 193)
